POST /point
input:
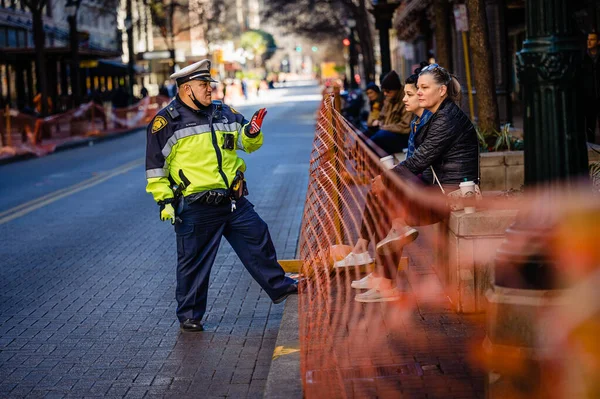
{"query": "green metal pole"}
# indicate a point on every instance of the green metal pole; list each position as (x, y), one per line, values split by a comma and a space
(548, 70)
(526, 266)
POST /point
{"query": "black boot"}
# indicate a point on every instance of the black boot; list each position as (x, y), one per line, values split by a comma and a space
(190, 325)
(291, 290)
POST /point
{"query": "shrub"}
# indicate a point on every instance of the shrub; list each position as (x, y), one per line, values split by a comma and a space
(494, 141)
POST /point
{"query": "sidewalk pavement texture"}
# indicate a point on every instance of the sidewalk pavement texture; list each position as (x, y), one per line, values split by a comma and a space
(87, 285)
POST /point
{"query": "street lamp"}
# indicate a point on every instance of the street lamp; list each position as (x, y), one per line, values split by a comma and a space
(383, 11)
(71, 9)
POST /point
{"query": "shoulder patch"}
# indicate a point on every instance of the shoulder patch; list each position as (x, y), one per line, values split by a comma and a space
(158, 123)
(233, 110)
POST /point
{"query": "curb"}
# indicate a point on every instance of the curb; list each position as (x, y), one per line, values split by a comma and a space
(78, 142)
(283, 381)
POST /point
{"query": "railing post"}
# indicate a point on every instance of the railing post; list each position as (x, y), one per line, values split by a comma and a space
(332, 154)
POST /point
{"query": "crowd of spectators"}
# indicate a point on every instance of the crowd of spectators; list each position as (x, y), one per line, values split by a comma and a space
(422, 118)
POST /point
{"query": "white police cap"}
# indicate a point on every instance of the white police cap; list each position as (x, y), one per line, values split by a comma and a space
(197, 71)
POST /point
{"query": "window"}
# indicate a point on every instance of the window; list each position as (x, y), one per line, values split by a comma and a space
(12, 38)
(21, 38)
(2, 37)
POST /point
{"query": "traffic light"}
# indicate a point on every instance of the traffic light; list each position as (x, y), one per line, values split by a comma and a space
(299, 49)
(346, 42)
(315, 49)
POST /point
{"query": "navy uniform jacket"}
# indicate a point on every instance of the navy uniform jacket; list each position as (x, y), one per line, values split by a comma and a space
(180, 138)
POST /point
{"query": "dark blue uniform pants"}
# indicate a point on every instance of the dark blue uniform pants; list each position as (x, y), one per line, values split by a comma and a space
(198, 238)
(390, 142)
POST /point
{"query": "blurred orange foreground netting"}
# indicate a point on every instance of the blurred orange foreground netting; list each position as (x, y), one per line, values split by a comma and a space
(537, 342)
(411, 347)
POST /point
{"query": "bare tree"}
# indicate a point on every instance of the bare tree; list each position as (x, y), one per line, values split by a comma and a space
(36, 8)
(323, 19)
(441, 10)
(173, 17)
(483, 72)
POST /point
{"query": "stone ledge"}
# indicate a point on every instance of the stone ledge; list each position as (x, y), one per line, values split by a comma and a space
(472, 241)
(491, 159)
(514, 158)
(481, 223)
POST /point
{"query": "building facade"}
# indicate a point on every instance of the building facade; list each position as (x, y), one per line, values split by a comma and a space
(98, 38)
(415, 27)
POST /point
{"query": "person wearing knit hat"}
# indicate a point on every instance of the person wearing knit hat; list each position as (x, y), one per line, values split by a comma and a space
(376, 104)
(391, 81)
(394, 120)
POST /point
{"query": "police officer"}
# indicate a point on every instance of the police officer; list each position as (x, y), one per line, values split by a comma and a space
(196, 177)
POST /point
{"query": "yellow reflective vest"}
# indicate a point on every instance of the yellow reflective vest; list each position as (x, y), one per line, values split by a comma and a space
(183, 140)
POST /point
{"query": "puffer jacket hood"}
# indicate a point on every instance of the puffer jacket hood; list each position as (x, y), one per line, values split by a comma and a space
(448, 142)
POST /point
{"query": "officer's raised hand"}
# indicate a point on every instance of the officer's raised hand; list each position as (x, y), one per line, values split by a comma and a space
(168, 212)
(256, 122)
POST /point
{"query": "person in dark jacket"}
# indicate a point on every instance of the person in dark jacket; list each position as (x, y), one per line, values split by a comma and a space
(394, 120)
(446, 150)
(382, 282)
(421, 115)
(448, 143)
(376, 105)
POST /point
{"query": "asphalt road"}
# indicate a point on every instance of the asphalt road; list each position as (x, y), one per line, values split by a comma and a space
(87, 272)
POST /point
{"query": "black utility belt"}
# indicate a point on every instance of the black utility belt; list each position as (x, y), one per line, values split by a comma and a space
(210, 197)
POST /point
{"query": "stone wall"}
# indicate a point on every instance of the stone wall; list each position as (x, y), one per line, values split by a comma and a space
(465, 258)
(502, 171)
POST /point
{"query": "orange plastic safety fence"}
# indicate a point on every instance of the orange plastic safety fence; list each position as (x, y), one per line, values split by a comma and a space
(22, 133)
(349, 348)
(534, 344)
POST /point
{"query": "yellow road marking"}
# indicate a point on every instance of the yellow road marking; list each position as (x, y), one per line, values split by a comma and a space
(37, 203)
(281, 351)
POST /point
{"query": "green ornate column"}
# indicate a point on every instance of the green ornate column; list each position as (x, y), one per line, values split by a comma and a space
(528, 280)
(548, 70)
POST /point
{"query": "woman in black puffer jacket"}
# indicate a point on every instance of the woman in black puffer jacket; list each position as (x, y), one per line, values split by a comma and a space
(448, 142)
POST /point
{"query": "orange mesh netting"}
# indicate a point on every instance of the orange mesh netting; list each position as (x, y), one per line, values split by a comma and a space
(418, 346)
(22, 133)
(353, 349)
